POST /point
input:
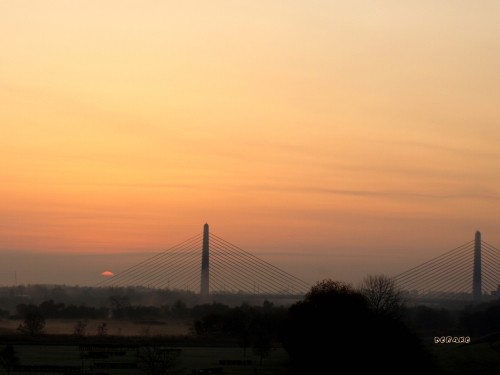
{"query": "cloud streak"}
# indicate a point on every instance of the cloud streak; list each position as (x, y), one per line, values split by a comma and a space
(485, 194)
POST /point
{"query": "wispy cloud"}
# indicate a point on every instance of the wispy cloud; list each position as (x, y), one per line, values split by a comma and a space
(456, 151)
(480, 194)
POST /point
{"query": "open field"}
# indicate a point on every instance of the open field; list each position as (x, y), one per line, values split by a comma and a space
(58, 351)
(119, 355)
(479, 358)
(123, 360)
(114, 327)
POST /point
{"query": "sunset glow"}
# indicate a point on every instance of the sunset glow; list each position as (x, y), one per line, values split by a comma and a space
(294, 129)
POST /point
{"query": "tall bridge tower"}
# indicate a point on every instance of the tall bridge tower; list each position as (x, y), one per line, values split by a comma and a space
(204, 286)
(470, 272)
(476, 273)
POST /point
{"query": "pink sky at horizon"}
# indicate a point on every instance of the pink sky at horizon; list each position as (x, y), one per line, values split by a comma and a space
(349, 134)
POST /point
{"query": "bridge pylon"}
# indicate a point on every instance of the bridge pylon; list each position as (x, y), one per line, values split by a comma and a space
(476, 273)
(205, 274)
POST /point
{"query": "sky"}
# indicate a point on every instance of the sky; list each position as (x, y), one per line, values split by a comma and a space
(333, 138)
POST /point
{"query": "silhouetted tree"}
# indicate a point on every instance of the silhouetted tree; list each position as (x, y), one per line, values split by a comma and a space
(179, 309)
(33, 323)
(118, 305)
(50, 309)
(382, 294)
(80, 328)
(159, 361)
(8, 358)
(244, 338)
(102, 329)
(262, 345)
(333, 328)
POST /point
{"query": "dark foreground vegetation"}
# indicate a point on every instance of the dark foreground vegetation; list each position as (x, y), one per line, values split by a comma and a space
(333, 327)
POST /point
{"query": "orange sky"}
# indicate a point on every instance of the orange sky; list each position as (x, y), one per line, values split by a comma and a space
(334, 130)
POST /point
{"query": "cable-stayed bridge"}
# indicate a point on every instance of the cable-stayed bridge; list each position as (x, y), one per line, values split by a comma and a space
(220, 268)
(470, 272)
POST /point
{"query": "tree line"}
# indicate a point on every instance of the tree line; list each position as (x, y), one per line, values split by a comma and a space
(333, 321)
(138, 304)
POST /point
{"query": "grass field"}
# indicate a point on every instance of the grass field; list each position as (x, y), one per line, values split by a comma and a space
(58, 351)
(114, 327)
(49, 354)
(479, 358)
(58, 347)
(482, 358)
(191, 359)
